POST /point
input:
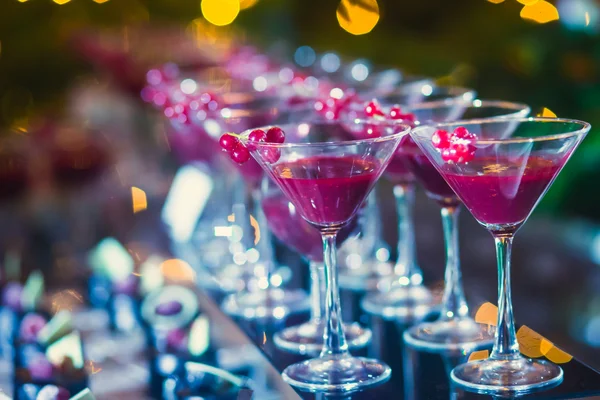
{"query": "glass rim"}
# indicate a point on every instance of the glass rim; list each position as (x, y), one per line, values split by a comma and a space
(406, 129)
(584, 128)
(453, 92)
(475, 103)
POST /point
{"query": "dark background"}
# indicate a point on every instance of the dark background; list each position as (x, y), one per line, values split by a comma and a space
(469, 42)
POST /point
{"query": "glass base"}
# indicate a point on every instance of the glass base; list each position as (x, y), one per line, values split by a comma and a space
(336, 374)
(458, 334)
(401, 302)
(307, 338)
(274, 303)
(507, 377)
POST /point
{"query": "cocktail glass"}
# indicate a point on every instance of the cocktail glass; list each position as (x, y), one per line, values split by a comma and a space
(288, 226)
(327, 182)
(403, 295)
(261, 298)
(455, 330)
(511, 164)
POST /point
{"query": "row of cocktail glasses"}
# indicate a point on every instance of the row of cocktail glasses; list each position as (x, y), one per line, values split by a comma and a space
(483, 154)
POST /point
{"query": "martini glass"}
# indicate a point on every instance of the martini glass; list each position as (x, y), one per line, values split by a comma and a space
(288, 226)
(455, 329)
(512, 164)
(403, 295)
(327, 182)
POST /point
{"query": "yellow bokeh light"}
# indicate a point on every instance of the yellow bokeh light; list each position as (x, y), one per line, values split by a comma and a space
(139, 200)
(487, 314)
(496, 1)
(61, 2)
(529, 342)
(99, 1)
(220, 12)
(587, 18)
(553, 353)
(21, 1)
(177, 270)
(540, 12)
(244, 4)
(548, 113)
(528, 2)
(479, 355)
(358, 18)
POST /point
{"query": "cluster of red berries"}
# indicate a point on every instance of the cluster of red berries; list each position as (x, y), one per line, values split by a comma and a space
(332, 107)
(455, 147)
(373, 109)
(240, 152)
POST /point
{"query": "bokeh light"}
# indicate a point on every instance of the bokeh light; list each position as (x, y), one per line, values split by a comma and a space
(244, 4)
(529, 342)
(358, 18)
(220, 12)
(305, 56)
(496, 1)
(479, 355)
(100, 1)
(61, 2)
(138, 198)
(177, 270)
(579, 15)
(541, 12)
(528, 2)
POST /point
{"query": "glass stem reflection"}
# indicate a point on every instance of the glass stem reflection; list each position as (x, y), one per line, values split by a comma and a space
(334, 341)
(506, 346)
(263, 245)
(406, 268)
(317, 291)
(454, 304)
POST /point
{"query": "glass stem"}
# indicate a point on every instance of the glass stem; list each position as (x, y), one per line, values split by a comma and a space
(334, 341)
(261, 232)
(454, 304)
(317, 291)
(406, 267)
(506, 346)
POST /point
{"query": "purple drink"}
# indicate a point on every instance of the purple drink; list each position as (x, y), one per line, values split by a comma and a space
(327, 190)
(499, 191)
(434, 184)
(289, 227)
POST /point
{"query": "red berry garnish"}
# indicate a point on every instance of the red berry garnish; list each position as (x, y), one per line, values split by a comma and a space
(373, 109)
(275, 135)
(240, 154)
(271, 155)
(462, 133)
(441, 139)
(257, 135)
(455, 147)
(228, 142)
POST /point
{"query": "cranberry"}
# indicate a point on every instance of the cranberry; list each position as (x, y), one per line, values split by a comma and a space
(463, 152)
(257, 135)
(441, 139)
(271, 155)
(51, 392)
(228, 142)
(240, 154)
(169, 308)
(31, 325)
(462, 133)
(373, 109)
(275, 135)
